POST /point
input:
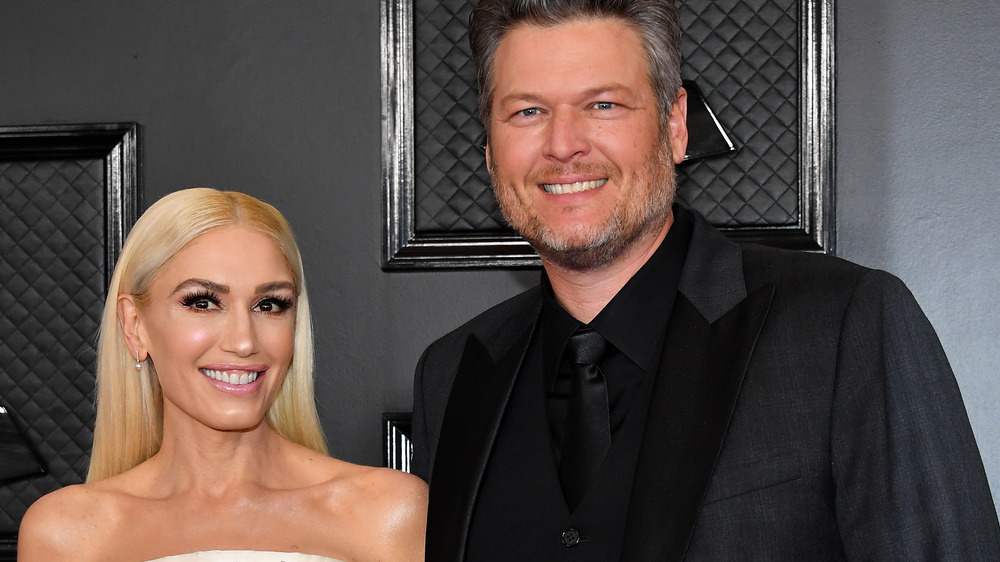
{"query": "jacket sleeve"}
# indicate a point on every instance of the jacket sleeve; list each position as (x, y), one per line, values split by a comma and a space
(910, 483)
(420, 465)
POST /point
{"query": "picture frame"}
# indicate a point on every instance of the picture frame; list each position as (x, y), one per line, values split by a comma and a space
(805, 209)
(101, 162)
(397, 447)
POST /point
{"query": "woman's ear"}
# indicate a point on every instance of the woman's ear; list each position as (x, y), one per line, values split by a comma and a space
(131, 323)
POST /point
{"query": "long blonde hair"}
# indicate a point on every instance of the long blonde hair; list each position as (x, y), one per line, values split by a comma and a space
(129, 426)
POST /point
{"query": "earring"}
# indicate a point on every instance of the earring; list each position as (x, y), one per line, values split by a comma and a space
(138, 364)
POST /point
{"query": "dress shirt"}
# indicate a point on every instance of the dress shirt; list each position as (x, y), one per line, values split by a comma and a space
(634, 324)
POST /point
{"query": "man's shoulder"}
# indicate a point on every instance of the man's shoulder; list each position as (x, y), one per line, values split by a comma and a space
(796, 267)
(762, 264)
(720, 272)
(813, 278)
(510, 316)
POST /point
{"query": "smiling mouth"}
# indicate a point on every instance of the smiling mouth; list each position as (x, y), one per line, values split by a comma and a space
(575, 187)
(231, 378)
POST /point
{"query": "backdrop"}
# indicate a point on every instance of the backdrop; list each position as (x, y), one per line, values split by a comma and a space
(281, 100)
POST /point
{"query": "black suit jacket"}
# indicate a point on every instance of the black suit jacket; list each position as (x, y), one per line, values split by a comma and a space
(803, 410)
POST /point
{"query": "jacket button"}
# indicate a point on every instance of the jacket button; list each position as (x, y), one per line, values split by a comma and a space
(570, 537)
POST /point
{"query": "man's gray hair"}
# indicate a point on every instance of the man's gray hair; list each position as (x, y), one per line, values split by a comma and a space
(656, 22)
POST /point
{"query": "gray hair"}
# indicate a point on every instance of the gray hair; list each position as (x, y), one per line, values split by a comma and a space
(655, 21)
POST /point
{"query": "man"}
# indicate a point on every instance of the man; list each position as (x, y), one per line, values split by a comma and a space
(735, 403)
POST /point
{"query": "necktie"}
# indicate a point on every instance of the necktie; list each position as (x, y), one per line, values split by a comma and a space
(588, 429)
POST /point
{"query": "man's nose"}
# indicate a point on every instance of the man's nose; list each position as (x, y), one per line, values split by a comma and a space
(567, 135)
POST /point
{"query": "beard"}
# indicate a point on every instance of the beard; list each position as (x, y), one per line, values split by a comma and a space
(641, 209)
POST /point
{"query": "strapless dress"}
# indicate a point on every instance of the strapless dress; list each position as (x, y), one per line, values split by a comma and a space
(244, 556)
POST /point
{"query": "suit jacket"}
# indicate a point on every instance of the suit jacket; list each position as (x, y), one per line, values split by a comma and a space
(803, 410)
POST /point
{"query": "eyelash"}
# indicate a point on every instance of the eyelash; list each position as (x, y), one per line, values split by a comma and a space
(190, 300)
(283, 304)
(533, 111)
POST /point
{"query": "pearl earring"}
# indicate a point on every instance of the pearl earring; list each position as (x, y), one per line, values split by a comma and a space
(138, 364)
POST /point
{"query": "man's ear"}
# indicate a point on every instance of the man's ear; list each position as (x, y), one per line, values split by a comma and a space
(489, 162)
(131, 323)
(677, 126)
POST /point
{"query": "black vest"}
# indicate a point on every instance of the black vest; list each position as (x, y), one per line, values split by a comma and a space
(520, 513)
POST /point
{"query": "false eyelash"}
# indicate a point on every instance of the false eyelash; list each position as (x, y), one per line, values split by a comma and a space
(283, 302)
(189, 300)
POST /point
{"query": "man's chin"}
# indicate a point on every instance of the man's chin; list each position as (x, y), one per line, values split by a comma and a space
(577, 253)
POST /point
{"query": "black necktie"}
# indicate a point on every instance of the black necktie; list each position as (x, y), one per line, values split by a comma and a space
(588, 429)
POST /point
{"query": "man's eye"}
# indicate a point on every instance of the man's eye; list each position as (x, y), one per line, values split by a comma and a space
(530, 112)
(604, 105)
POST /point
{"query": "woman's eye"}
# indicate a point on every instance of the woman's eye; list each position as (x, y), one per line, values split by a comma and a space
(273, 305)
(200, 302)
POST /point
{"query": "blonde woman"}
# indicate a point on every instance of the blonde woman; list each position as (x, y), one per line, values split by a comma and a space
(207, 445)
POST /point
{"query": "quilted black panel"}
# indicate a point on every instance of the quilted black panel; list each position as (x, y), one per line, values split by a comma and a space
(742, 53)
(452, 187)
(744, 57)
(52, 254)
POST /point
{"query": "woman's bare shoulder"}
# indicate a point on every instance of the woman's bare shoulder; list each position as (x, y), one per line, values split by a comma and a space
(387, 507)
(70, 523)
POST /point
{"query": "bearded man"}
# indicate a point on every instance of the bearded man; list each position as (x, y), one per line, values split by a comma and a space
(665, 394)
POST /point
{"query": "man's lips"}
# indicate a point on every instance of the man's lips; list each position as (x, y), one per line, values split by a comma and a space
(574, 187)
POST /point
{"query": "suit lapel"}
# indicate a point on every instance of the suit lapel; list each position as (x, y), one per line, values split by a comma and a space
(711, 335)
(472, 419)
(692, 402)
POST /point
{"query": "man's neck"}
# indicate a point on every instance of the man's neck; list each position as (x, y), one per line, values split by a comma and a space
(585, 293)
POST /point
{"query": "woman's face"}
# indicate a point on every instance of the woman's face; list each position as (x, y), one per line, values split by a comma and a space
(220, 328)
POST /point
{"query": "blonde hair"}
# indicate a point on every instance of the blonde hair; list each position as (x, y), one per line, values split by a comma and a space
(129, 426)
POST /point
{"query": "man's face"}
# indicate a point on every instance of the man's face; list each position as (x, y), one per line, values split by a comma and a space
(580, 165)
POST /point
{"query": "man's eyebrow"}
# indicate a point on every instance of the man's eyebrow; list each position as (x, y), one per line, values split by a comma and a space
(203, 283)
(529, 97)
(520, 96)
(607, 88)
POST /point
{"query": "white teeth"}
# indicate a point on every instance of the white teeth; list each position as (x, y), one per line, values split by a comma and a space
(575, 187)
(244, 378)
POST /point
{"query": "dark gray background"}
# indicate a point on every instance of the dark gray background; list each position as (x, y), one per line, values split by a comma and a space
(281, 100)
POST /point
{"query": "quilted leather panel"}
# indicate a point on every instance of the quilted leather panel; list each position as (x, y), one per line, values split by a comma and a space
(52, 285)
(744, 57)
(742, 53)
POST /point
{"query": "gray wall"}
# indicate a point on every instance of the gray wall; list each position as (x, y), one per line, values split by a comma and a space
(918, 123)
(281, 100)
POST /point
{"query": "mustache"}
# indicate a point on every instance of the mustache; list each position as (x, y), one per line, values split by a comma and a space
(597, 169)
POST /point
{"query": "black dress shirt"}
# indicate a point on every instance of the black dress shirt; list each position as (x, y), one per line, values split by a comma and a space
(634, 323)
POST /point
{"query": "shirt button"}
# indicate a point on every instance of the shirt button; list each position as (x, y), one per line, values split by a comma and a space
(570, 537)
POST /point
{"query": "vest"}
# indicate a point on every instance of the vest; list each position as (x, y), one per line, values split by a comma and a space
(520, 512)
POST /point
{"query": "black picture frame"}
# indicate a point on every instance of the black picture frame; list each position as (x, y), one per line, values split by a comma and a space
(405, 248)
(397, 447)
(116, 145)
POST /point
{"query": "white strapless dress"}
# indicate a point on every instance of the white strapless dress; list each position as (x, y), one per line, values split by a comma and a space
(244, 556)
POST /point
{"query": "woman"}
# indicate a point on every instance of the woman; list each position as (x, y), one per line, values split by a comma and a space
(207, 437)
